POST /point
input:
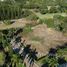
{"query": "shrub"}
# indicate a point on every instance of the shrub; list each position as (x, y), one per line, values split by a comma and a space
(8, 22)
(26, 13)
(43, 10)
(33, 17)
(53, 10)
(60, 23)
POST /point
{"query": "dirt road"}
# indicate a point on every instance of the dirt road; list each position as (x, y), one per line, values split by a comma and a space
(19, 23)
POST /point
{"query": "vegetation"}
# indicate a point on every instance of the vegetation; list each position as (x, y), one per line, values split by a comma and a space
(27, 30)
(2, 58)
(13, 9)
(55, 57)
(32, 17)
(60, 23)
(9, 11)
(53, 13)
(7, 56)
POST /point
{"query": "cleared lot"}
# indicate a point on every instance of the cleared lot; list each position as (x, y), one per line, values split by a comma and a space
(43, 38)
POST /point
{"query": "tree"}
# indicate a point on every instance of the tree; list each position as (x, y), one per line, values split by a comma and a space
(50, 62)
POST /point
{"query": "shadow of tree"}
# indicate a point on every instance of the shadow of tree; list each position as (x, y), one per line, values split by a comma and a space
(18, 31)
(45, 65)
(32, 57)
(61, 60)
(52, 52)
(18, 39)
(1, 47)
(26, 51)
(62, 47)
(29, 54)
(7, 58)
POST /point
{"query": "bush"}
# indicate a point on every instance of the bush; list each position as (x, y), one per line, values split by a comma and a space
(26, 13)
(53, 10)
(43, 10)
(60, 23)
(33, 17)
(8, 22)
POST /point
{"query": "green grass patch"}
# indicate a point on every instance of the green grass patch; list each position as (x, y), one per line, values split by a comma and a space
(27, 29)
(48, 22)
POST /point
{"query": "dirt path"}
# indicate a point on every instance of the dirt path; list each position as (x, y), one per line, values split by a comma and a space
(20, 23)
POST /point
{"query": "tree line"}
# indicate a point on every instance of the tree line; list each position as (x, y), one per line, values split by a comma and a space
(8, 11)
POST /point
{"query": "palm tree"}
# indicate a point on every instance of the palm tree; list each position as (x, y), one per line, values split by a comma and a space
(50, 62)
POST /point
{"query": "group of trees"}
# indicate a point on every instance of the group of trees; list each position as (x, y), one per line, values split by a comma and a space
(52, 9)
(44, 5)
(39, 3)
(10, 11)
(60, 23)
(8, 58)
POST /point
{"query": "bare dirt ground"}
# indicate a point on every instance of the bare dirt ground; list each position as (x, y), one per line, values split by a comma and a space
(43, 38)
